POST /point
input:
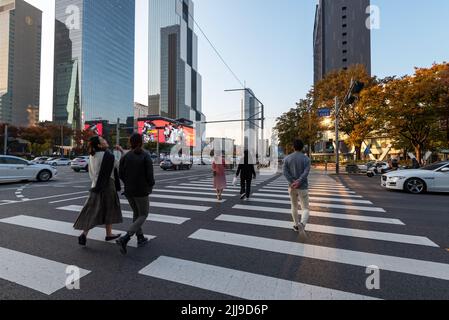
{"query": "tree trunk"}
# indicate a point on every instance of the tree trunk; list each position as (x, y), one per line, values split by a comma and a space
(418, 152)
(358, 152)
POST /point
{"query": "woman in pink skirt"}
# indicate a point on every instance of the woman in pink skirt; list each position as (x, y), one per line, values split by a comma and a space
(219, 170)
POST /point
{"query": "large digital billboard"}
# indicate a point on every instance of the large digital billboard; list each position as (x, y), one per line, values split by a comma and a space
(166, 131)
(96, 127)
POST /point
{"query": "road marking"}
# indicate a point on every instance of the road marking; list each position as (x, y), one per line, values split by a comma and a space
(129, 214)
(263, 193)
(70, 199)
(199, 188)
(42, 275)
(184, 207)
(317, 199)
(193, 192)
(347, 232)
(173, 197)
(310, 190)
(338, 187)
(64, 228)
(356, 258)
(239, 284)
(51, 197)
(324, 205)
(205, 185)
(342, 216)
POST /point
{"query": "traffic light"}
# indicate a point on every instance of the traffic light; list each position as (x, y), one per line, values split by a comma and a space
(356, 88)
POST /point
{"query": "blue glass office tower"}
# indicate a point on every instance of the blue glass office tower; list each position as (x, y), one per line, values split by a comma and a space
(94, 61)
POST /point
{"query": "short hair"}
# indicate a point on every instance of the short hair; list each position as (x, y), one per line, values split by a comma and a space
(136, 142)
(298, 145)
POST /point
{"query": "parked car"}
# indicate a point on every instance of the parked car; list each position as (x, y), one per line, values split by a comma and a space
(167, 164)
(59, 162)
(80, 163)
(40, 160)
(14, 169)
(432, 178)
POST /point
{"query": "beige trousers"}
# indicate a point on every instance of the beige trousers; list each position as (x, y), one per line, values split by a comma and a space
(300, 196)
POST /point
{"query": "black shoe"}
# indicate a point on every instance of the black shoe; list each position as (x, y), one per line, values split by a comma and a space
(141, 241)
(296, 228)
(122, 243)
(113, 237)
(243, 196)
(82, 240)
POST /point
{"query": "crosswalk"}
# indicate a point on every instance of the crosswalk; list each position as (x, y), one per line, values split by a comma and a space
(346, 231)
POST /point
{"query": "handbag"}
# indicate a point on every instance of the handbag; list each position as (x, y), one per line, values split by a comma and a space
(234, 181)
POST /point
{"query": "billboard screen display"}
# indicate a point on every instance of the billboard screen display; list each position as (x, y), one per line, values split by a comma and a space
(166, 132)
(96, 128)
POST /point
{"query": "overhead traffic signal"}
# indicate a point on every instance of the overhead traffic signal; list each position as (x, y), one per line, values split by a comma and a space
(354, 91)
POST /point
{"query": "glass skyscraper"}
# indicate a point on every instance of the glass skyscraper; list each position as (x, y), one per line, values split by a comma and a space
(94, 61)
(174, 81)
(20, 62)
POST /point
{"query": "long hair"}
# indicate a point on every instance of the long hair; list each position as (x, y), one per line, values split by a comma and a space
(136, 143)
(94, 145)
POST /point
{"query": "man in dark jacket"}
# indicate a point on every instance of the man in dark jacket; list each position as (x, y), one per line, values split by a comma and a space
(247, 173)
(136, 172)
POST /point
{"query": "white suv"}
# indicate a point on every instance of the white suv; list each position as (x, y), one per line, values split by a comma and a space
(80, 163)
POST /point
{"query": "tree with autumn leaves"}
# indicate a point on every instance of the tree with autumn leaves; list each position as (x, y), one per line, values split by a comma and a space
(413, 110)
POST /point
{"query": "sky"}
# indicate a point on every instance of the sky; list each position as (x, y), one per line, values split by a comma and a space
(268, 44)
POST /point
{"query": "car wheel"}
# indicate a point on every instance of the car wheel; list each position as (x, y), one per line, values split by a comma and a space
(76, 170)
(87, 169)
(54, 164)
(44, 176)
(370, 174)
(415, 186)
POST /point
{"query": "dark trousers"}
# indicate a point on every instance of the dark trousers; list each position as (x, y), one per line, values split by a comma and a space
(245, 187)
(141, 210)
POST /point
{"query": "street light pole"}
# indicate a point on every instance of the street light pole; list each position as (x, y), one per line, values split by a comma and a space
(117, 138)
(62, 140)
(337, 138)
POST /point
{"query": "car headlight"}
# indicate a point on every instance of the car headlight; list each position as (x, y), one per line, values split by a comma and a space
(396, 179)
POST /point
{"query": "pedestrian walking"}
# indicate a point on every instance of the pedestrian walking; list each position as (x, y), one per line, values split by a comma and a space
(219, 172)
(296, 170)
(247, 173)
(103, 204)
(136, 172)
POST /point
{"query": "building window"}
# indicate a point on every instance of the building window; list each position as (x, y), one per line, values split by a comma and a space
(344, 17)
(345, 25)
(345, 51)
(345, 34)
(345, 43)
(345, 60)
(344, 8)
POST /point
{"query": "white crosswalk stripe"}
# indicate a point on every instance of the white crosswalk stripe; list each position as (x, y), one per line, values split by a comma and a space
(357, 233)
(175, 206)
(362, 259)
(193, 192)
(64, 228)
(286, 196)
(239, 284)
(129, 214)
(325, 199)
(199, 188)
(323, 205)
(42, 275)
(341, 216)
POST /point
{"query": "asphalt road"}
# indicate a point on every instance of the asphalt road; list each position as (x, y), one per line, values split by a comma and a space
(205, 250)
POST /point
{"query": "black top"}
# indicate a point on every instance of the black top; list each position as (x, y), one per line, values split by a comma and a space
(136, 172)
(247, 171)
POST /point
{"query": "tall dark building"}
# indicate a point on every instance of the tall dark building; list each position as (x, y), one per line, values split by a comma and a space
(94, 61)
(20, 62)
(174, 81)
(341, 36)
